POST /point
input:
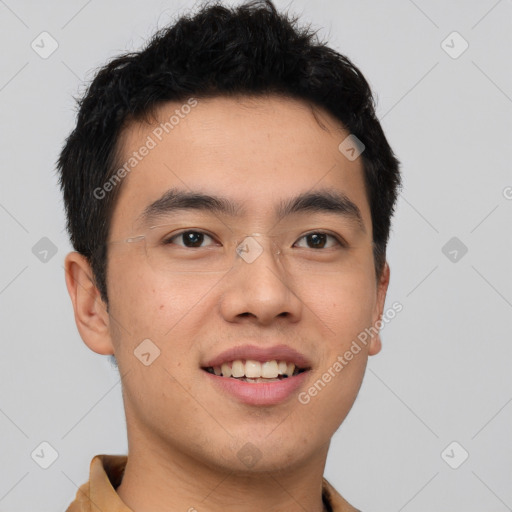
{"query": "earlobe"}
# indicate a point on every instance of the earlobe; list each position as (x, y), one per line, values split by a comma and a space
(382, 288)
(91, 317)
(375, 345)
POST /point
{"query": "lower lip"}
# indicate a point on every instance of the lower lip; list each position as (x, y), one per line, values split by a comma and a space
(259, 393)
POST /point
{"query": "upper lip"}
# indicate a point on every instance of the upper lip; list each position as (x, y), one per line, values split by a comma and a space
(262, 354)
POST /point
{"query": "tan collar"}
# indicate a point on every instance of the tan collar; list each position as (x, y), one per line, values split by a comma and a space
(106, 473)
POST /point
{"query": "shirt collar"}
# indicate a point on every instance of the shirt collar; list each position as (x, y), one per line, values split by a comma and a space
(106, 473)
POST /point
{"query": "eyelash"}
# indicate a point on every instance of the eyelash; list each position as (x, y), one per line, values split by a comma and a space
(342, 243)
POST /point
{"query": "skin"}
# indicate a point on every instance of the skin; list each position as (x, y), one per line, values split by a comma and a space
(183, 434)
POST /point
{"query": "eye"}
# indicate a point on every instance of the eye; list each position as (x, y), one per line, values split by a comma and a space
(190, 239)
(318, 240)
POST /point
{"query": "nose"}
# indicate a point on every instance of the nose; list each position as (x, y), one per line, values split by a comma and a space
(258, 287)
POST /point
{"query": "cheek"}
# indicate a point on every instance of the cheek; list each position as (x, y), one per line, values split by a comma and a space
(342, 307)
(147, 306)
(343, 304)
(151, 305)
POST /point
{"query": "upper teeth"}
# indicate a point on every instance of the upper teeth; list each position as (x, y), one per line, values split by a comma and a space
(255, 369)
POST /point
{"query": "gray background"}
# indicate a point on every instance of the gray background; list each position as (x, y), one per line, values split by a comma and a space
(444, 372)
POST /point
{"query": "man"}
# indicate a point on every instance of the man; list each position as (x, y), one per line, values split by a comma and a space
(229, 192)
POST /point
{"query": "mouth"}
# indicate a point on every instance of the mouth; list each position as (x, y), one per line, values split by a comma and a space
(256, 375)
(253, 371)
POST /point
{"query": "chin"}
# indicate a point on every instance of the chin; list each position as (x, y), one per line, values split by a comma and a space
(267, 452)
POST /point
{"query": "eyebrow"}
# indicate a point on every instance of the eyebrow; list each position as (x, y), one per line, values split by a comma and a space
(320, 201)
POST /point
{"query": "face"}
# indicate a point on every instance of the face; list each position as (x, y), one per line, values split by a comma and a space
(307, 295)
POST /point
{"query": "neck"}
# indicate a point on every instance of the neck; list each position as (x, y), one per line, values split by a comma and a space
(162, 478)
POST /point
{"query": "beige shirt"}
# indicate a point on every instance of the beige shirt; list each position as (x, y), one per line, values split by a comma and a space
(106, 473)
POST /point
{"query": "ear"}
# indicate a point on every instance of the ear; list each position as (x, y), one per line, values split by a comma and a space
(382, 288)
(91, 316)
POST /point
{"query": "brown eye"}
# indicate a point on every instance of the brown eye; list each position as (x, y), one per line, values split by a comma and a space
(318, 240)
(190, 239)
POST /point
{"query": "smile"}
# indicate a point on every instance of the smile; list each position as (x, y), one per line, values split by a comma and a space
(255, 371)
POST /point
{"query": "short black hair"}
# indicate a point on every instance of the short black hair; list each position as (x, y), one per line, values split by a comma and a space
(251, 50)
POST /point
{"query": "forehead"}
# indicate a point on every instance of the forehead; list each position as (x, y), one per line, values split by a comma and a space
(255, 151)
